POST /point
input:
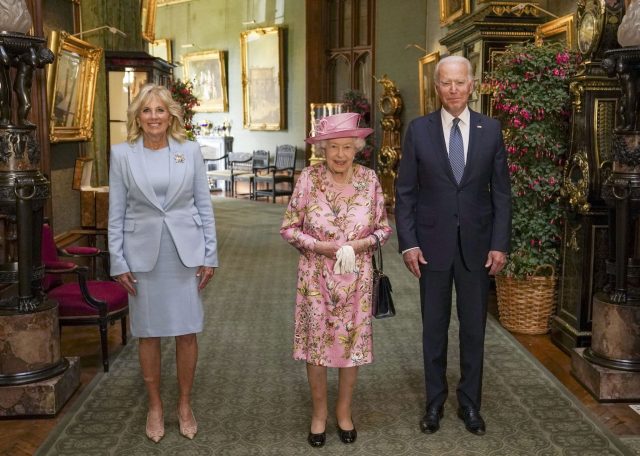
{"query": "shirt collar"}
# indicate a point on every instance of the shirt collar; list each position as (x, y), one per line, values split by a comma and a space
(447, 118)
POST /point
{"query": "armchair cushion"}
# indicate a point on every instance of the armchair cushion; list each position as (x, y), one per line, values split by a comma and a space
(72, 304)
(81, 250)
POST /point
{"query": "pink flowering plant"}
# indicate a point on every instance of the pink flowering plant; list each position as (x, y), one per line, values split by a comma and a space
(182, 92)
(355, 101)
(530, 95)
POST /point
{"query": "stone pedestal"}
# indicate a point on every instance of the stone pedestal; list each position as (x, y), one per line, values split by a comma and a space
(30, 345)
(606, 385)
(45, 397)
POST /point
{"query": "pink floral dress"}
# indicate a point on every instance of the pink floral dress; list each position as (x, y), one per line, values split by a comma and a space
(333, 311)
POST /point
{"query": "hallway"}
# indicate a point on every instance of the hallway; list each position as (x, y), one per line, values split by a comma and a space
(242, 392)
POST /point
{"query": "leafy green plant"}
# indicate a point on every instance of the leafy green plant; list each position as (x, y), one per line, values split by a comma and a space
(182, 92)
(530, 90)
(355, 101)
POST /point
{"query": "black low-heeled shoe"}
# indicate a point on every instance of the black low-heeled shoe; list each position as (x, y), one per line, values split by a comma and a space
(317, 440)
(347, 436)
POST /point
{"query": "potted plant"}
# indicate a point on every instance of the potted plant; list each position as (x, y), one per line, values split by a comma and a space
(182, 92)
(530, 94)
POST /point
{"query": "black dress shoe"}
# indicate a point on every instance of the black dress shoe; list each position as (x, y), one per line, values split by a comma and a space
(430, 422)
(347, 436)
(472, 420)
(317, 440)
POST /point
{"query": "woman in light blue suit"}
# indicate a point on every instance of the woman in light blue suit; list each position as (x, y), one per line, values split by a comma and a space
(162, 242)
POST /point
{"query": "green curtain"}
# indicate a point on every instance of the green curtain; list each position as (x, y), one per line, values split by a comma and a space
(124, 15)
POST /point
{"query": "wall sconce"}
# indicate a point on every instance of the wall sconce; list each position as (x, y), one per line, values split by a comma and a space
(521, 6)
(109, 27)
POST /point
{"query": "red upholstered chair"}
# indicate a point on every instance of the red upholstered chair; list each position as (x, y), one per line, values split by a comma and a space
(82, 301)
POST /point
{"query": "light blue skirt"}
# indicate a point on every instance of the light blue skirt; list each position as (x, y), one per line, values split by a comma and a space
(167, 301)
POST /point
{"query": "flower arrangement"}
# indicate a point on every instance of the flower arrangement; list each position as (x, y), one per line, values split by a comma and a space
(355, 101)
(182, 92)
(530, 88)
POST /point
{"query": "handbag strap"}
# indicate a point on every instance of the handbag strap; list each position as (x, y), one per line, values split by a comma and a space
(379, 254)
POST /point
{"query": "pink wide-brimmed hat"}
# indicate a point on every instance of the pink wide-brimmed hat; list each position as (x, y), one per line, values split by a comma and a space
(343, 125)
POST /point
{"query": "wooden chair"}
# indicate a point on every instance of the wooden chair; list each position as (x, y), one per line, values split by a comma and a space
(83, 302)
(260, 161)
(236, 164)
(277, 178)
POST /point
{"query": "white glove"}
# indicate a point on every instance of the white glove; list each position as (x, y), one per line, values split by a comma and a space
(346, 260)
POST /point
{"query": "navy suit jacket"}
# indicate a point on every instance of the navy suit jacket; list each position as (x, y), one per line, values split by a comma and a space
(430, 205)
(136, 216)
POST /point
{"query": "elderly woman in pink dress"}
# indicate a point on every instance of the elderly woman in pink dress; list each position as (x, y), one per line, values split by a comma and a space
(334, 216)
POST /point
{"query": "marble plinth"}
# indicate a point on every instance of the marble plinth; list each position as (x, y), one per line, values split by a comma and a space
(45, 397)
(615, 328)
(30, 341)
(606, 385)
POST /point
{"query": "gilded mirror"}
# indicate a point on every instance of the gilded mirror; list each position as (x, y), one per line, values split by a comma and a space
(71, 86)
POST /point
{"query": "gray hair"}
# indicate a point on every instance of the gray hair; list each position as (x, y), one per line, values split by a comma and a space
(453, 59)
(358, 143)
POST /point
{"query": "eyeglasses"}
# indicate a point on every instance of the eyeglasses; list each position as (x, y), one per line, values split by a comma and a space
(449, 84)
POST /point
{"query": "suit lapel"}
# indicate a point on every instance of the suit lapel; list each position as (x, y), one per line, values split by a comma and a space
(436, 132)
(178, 163)
(475, 139)
(139, 172)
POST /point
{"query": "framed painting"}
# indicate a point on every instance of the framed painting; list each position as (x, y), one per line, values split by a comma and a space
(207, 71)
(429, 100)
(161, 48)
(148, 20)
(71, 87)
(263, 79)
(452, 10)
(562, 29)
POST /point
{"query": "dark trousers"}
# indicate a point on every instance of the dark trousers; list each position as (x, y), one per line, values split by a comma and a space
(472, 288)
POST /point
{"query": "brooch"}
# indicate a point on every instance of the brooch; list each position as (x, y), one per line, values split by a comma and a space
(179, 158)
(359, 185)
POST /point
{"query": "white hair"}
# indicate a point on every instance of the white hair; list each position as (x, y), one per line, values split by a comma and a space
(453, 59)
(358, 143)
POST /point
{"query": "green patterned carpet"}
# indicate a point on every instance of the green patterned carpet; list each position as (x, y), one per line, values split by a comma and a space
(251, 398)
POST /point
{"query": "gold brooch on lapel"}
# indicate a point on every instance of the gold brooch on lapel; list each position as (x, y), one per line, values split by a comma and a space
(179, 158)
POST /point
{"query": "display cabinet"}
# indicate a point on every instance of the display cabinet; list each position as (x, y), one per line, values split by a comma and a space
(127, 72)
(585, 244)
(483, 35)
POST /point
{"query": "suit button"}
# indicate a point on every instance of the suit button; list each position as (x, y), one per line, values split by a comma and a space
(455, 215)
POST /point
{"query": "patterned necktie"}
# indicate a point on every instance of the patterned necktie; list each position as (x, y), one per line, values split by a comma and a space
(456, 151)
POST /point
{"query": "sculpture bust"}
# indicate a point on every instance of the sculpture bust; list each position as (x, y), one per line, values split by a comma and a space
(14, 16)
(629, 30)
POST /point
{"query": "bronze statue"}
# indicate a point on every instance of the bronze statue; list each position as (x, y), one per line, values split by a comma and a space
(26, 63)
(5, 87)
(630, 84)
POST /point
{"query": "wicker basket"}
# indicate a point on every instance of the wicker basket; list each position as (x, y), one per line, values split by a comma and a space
(525, 305)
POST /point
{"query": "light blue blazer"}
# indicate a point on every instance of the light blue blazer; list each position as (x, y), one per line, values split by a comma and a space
(136, 216)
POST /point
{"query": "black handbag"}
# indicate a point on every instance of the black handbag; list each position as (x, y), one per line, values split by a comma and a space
(381, 300)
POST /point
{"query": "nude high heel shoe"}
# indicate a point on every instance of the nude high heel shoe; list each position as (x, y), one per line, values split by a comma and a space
(154, 433)
(188, 430)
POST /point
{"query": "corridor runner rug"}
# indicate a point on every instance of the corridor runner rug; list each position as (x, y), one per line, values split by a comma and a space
(251, 398)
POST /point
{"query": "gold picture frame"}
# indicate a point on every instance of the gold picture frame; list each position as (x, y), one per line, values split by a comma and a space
(429, 100)
(452, 10)
(71, 87)
(161, 48)
(562, 29)
(263, 79)
(148, 20)
(208, 73)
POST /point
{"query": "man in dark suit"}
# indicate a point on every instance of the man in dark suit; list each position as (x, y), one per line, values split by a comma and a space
(453, 216)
